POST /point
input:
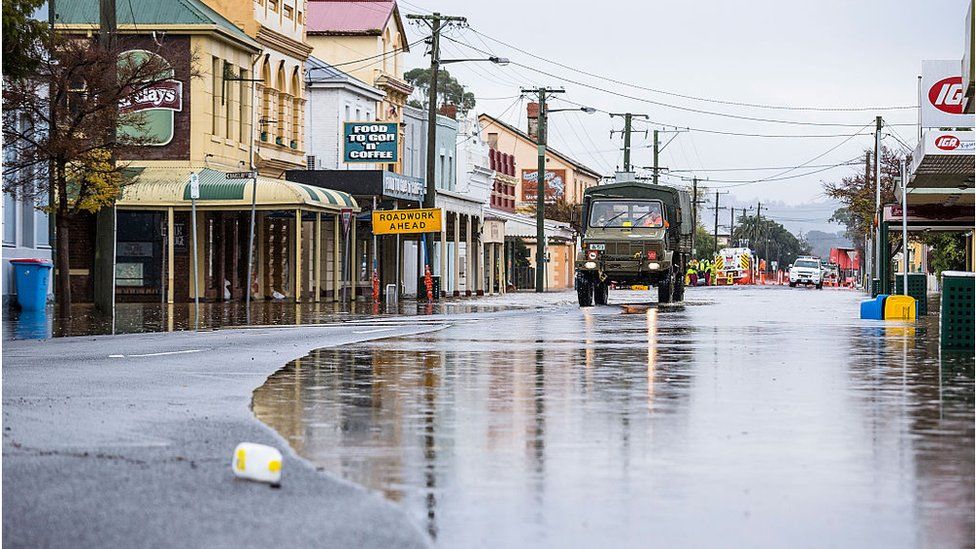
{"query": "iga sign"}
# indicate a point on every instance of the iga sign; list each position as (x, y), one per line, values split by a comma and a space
(370, 142)
(941, 96)
(555, 185)
(950, 143)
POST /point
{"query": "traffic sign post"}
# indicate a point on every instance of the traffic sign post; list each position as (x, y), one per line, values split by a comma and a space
(253, 176)
(194, 195)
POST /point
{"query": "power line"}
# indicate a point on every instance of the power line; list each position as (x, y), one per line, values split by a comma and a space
(698, 98)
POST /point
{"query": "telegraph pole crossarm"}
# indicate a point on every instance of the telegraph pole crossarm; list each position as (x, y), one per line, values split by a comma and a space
(628, 129)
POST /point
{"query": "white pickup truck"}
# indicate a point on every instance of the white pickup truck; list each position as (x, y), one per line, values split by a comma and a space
(807, 270)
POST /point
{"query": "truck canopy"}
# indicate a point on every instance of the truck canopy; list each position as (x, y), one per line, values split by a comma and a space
(677, 203)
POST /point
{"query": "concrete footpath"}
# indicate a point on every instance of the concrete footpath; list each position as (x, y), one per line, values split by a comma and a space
(126, 441)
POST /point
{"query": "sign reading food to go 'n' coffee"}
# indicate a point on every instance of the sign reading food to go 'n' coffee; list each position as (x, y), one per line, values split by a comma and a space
(370, 142)
(426, 220)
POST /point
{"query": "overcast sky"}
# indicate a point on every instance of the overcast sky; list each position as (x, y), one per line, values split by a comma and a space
(823, 54)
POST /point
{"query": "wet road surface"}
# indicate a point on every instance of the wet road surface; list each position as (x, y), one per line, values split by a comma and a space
(762, 417)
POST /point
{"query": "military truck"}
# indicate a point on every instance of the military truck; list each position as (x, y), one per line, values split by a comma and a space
(633, 234)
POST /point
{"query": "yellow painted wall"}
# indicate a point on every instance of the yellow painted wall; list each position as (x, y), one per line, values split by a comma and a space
(342, 49)
(227, 152)
(527, 158)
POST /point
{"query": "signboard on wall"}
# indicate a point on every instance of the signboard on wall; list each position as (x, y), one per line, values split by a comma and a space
(424, 220)
(555, 185)
(156, 103)
(942, 94)
(370, 142)
(403, 186)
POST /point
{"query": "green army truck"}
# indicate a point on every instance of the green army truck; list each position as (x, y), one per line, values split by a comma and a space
(633, 234)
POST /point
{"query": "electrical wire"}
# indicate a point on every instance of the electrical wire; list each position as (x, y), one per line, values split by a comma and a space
(697, 98)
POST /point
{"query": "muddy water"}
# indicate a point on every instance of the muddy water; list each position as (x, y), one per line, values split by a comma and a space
(750, 417)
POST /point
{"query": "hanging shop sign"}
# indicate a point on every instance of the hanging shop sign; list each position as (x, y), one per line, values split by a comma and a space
(555, 185)
(156, 103)
(942, 95)
(403, 186)
(370, 142)
(424, 220)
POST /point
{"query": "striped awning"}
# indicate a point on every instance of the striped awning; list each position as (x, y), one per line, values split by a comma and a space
(169, 187)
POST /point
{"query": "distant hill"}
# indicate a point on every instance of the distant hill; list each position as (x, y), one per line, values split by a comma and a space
(822, 242)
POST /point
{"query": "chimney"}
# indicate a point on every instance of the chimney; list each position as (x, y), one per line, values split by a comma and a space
(449, 111)
(533, 118)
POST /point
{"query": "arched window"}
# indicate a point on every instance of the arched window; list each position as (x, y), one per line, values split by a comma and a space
(266, 111)
(297, 118)
(282, 117)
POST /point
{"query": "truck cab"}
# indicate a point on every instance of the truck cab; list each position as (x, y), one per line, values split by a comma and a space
(633, 234)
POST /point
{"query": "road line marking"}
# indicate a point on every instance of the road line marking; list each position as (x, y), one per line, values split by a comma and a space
(374, 331)
(183, 352)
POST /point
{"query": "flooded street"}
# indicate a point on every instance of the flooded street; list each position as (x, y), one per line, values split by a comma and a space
(745, 417)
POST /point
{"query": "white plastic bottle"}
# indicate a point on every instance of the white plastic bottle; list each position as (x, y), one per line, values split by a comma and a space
(257, 462)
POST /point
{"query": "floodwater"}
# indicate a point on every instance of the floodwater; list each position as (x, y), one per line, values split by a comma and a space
(132, 318)
(767, 417)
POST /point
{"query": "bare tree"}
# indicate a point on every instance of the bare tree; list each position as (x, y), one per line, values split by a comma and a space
(61, 127)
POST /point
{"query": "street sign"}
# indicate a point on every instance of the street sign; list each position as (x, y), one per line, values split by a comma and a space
(424, 220)
(346, 214)
(242, 175)
(194, 186)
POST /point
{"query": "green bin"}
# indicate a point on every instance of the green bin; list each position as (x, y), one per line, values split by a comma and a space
(956, 319)
(916, 288)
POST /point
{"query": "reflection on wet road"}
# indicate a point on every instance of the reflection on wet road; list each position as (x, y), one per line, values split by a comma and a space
(748, 417)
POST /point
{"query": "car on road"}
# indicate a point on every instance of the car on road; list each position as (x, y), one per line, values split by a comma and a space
(808, 271)
(634, 234)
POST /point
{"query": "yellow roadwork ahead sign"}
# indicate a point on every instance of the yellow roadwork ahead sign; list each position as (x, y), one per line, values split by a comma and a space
(427, 220)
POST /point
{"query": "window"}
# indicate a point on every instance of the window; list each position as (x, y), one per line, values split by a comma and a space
(215, 122)
(626, 214)
(228, 103)
(9, 219)
(493, 140)
(347, 119)
(245, 107)
(288, 12)
(273, 4)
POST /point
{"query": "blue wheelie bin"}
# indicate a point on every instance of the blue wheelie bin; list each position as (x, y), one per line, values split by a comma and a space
(32, 277)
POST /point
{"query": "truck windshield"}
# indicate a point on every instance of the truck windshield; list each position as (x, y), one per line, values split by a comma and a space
(806, 264)
(626, 213)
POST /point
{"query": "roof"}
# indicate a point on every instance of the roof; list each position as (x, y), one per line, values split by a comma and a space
(169, 187)
(524, 136)
(150, 13)
(320, 72)
(340, 17)
(524, 226)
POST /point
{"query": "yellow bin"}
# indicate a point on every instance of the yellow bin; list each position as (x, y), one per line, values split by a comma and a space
(899, 307)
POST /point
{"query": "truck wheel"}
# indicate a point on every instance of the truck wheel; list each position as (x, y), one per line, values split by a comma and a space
(601, 293)
(792, 284)
(584, 292)
(679, 288)
(820, 286)
(664, 290)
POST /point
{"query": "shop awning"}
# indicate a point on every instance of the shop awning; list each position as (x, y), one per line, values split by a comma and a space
(169, 187)
(942, 169)
(524, 226)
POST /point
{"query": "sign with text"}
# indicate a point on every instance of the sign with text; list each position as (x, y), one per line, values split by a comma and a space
(426, 220)
(147, 111)
(370, 142)
(555, 185)
(403, 186)
(941, 96)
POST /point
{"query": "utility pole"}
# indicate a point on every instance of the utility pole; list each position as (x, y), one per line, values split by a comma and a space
(717, 208)
(867, 265)
(540, 193)
(656, 167)
(694, 213)
(879, 266)
(104, 268)
(765, 234)
(436, 22)
(628, 119)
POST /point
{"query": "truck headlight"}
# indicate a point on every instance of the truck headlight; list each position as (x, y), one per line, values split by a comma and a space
(653, 266)
(590, 265)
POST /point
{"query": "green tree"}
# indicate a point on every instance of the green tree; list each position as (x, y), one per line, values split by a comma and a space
(948, 251)
(704, 243)
(449, 90)
(23, 38)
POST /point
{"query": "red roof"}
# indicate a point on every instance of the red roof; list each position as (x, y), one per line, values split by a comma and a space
(343, 17)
